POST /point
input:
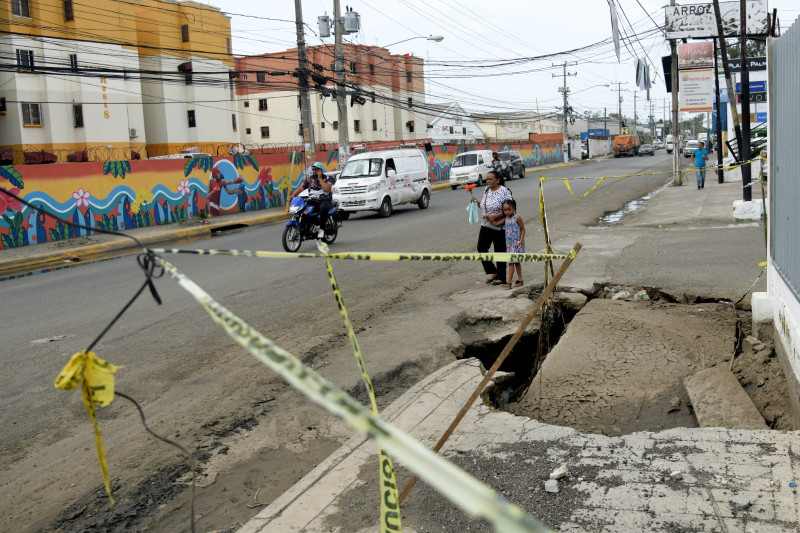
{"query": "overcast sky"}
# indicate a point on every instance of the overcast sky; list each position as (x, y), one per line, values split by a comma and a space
(481, 30)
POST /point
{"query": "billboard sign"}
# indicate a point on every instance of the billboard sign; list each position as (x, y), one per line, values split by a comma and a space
(695, 55)
(697, 90)
(695, 21)
(753, 63)
(755, 87)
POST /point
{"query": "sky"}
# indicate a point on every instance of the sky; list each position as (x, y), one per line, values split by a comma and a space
(478, 31)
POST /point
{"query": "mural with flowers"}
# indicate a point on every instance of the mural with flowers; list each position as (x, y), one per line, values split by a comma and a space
(120, 195)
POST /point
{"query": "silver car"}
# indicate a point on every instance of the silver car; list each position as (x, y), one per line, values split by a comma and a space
(689, 149)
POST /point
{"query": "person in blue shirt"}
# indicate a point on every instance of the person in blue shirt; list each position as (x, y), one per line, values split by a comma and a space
(700, 158)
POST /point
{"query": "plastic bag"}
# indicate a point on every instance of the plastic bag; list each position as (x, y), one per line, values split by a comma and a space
(472, 209)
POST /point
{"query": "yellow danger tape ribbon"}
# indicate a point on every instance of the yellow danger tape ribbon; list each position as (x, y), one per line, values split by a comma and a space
(390, 501)
(380, 256)
(469, 494)
(95, 377)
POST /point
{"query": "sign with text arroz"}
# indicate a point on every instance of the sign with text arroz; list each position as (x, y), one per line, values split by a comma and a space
(698, 20)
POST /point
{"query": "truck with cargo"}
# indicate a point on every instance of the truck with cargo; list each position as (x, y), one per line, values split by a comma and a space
(626, 145)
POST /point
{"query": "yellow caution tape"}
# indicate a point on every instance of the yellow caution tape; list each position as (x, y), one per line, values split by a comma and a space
(95, 377)
(466, 492)
(504, 257)
(390, 502)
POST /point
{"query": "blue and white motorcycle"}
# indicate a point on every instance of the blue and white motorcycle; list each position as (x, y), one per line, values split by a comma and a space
(304, 224)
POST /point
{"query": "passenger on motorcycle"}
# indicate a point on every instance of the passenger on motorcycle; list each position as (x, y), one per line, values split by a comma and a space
(319, 191)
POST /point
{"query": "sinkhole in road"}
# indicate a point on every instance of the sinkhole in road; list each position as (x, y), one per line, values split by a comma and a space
(481, 340)
(621, 367)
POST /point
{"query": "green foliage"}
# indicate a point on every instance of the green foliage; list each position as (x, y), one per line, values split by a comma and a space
(15, 231)
(202, 214)
(297, 157)
(241, 161)
(118, 169)
(107, 223)
(202, 163)
(179, 213)
(59, 233)
(12, 175)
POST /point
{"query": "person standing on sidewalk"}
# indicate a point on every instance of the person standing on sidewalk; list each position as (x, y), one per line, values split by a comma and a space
(490, 235)
(700, 158)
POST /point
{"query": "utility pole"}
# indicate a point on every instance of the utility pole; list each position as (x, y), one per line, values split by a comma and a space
(718, 125)
(302, 78)
(619, 93)
(677, 175)
(744, 147)
(635, 130)
(565, 90)
(728, 81)
(341, 92)
(605, 129)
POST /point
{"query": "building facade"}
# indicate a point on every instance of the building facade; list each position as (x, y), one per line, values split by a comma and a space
(103, 80)
(390, 88)
(515, 125)
(449, 123)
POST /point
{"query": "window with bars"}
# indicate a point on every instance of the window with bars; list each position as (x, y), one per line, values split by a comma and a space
(25, 60)
(31, 114)
(336, 124)
(73, 62)
(322, 125)
(357, 126)
(262, 104)
(247, 131)
(410, 102)
(247, 103)
(300, 130)
(265, 131)
(353, 68)
(408, 76)
(77, 115)
(410, 126)
(185, 33)
(233, 121)
(69, 14)
(191, 118)
(261, 77)
(21, 8)
(371, 69)
(374, 125)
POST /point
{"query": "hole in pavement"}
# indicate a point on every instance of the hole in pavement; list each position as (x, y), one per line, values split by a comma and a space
(641, 353)
(220, 230)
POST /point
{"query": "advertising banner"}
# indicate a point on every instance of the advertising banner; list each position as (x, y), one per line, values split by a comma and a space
(696, 21)
(755, 87)
(695, 55)
(697, 90)
(753, 63)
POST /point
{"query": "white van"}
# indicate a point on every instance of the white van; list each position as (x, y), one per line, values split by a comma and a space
(470, 167)
(670, 145)
(378, 181)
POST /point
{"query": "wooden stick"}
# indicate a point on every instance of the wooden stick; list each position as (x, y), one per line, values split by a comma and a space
(502, 357)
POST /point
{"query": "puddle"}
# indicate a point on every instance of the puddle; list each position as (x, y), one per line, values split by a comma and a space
(609, 219)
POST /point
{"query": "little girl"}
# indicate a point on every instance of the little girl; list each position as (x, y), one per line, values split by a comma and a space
(515, 240)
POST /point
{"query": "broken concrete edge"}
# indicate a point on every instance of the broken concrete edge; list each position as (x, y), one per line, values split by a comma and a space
(719, 400)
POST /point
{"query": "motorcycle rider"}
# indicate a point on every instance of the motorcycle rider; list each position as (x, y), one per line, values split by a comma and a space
(497, 165)
(319, 191)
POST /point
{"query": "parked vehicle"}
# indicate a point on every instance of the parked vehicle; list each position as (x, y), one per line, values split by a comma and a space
(690, 147)
(705, 138)
(626, 145)
(304, 224)
(470, 167)
(378, 181)
(670, 145)
(513, 165)
(647, 149)
(584, 151)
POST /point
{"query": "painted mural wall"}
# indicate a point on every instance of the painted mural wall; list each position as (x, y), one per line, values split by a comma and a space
(121, 195)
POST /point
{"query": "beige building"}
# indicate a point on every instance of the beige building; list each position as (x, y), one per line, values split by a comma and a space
(516, 125)
(391, 86)
(109, 80)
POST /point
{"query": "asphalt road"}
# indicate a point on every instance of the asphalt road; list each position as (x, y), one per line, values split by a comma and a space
(189, 373)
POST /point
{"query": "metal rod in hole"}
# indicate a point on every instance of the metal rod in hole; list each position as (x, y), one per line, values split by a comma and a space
(502, 357)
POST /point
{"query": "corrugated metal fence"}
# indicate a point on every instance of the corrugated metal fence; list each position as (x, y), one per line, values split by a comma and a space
(784, 155)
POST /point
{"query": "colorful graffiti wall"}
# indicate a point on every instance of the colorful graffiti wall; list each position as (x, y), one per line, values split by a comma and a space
(120, 195)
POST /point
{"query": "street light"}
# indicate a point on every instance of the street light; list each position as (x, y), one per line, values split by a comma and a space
(435, 38)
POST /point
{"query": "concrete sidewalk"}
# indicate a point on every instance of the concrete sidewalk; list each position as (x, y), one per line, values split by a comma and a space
(699, 479)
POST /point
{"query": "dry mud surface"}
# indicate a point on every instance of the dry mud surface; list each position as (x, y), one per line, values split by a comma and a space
(619, 368)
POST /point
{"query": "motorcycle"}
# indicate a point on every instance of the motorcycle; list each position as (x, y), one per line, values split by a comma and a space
(304, 224)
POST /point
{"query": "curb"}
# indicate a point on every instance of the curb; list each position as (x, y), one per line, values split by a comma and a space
(49, 258)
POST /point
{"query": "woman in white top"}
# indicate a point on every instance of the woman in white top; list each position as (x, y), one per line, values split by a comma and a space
(490, 235)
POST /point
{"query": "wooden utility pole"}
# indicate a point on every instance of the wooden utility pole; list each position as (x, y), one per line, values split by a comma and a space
(302, 79)
(744, 147)
(341, 90)
(728, 81)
